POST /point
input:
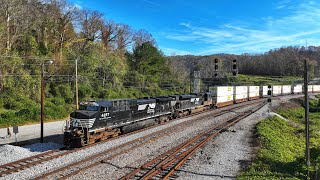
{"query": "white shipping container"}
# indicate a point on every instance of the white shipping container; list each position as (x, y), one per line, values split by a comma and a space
(253, 91)
(276, 90)
(315, 88)
(222, 94)
(309, 88)
(265, 91)
(286, 89)
(241, 92)
(297, 88)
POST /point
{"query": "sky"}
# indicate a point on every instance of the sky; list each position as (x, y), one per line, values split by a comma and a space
(205, 27)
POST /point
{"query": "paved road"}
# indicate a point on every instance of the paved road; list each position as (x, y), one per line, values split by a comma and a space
(32, 132)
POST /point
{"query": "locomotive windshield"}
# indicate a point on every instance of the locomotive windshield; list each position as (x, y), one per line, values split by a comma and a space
(89, 106)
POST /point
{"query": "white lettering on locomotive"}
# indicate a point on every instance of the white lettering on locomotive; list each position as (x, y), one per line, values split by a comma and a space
(104, 115)
(196, 101)
(150, 111)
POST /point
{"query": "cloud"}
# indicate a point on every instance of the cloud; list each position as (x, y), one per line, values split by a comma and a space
(173, 52)
(151, 2)
(291, 30)
(78, 4)
(283, 4)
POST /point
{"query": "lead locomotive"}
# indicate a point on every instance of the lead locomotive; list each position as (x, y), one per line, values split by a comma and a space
(102, 119)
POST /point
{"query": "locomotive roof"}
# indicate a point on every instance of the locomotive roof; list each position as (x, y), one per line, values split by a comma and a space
(165, 98)
(104, 103)
(144, 101)
(187, 96)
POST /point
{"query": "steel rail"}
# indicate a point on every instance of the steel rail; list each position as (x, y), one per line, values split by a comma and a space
(143, 140)
(180, 154)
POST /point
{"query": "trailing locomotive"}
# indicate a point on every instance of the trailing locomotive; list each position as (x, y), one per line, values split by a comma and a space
(98, 120)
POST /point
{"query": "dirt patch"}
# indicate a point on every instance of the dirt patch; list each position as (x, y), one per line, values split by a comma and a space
(288, 104)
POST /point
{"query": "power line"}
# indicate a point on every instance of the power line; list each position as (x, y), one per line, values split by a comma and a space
(33, 58)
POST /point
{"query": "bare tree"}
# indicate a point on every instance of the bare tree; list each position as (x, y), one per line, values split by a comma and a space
(142, 36)
(63, 15)
(124, 36)
(91, 23)
(109, 34)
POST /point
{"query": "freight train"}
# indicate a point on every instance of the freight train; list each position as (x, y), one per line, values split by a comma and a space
(96, 120)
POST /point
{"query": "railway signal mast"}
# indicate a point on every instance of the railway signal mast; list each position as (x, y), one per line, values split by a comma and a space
(216, 61)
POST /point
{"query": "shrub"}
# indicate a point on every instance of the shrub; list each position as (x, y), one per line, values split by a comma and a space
(8, 119)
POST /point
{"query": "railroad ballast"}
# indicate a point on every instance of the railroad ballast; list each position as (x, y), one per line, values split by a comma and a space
(101, 119)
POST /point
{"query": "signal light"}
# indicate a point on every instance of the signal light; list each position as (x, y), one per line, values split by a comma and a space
(269, 90)
(234, 67)
(215, 67)
(234, 73)
(234, 64)
(216, 64)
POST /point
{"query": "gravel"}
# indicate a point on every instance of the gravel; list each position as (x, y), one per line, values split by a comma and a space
(230, 153)
(72, 157)
(10, 153)
(119, 166)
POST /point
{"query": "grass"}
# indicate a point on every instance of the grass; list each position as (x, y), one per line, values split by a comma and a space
(282, 151)
(266, 80)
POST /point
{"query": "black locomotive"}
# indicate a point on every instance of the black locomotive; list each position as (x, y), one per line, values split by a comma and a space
(102, 119)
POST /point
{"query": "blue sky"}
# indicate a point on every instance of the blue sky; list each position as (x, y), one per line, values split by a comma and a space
(203, 27)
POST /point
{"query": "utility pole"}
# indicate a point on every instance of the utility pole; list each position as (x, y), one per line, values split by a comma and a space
(306, 116)
(42, 98)
(190, 85)
(77, 100)
(42, 102)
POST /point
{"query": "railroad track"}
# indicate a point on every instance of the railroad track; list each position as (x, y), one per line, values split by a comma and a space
(76, 167)
(164, 166)
(28, 162)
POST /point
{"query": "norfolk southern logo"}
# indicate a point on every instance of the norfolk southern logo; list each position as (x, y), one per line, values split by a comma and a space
(151, 107)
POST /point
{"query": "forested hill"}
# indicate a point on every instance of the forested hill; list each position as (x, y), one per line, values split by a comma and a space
(285, 61)
(114, 60)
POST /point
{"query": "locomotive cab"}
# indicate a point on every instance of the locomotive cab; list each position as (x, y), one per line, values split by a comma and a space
(81, 121)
